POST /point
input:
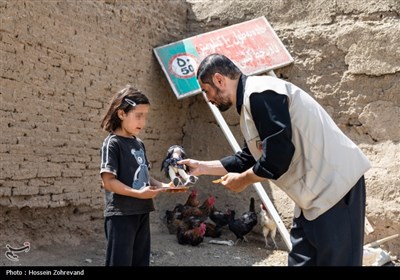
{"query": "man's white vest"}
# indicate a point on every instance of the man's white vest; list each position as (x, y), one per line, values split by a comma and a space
(326, 164)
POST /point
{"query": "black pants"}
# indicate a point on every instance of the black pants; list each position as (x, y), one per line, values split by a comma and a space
(128, 240)
(336, 237)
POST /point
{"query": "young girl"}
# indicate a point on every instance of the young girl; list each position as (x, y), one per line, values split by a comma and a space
(129, 189)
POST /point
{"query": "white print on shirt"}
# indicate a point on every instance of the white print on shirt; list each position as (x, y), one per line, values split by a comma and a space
(141, 177)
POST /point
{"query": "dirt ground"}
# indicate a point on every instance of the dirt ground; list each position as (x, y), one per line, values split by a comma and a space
(165, 252)
(75, 238)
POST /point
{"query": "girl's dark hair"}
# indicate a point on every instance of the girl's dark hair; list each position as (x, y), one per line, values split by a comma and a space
(125, 99)
(217, 63)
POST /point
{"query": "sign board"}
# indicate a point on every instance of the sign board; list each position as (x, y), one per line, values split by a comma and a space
(252, 45)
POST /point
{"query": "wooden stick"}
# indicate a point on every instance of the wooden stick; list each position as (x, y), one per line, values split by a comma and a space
(378, 242)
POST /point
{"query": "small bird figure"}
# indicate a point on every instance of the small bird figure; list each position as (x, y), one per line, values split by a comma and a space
(268, 225)
(174, 171)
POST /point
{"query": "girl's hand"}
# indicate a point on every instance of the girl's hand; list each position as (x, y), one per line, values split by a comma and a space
(149, 192)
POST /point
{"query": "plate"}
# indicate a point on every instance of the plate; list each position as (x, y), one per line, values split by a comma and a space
(175, 189)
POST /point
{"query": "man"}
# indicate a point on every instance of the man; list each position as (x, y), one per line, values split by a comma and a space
(291, 140)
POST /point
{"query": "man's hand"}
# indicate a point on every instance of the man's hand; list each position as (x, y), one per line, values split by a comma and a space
(197, 168)
(238, 182)
(234, 182)
(194, 166)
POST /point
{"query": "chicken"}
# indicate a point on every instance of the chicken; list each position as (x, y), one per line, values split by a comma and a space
(268, 225)
(173, 218)
(192, 200)
(244, 224)
(220, 218)
(191, 231)
(202, 212)
(213, 230)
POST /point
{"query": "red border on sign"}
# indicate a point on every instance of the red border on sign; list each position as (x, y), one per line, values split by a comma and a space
(180, 76)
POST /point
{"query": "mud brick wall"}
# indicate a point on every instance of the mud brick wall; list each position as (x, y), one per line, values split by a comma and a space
(61, 61)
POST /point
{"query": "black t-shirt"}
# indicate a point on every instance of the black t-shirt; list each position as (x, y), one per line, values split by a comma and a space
(126, 159)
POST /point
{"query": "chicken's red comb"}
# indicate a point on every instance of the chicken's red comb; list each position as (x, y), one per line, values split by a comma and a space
(211, 200)
(263, 207)
(202, 228)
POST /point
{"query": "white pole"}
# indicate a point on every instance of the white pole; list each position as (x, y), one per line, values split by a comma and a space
(257, 186)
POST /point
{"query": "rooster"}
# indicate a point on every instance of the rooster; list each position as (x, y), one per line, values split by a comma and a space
(173, 218)
(244, 224)
(202, 212)
(192, 200)
(267, 224)
(191, 231)
(220, 218)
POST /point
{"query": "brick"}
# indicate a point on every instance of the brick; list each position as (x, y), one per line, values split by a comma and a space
(5, 191)
(50, 190)
(93, 104)
(30, 201)
(25, 173)
(39, 183)
(50, 170)
(5, 201)
(72, 173)
(25, 190)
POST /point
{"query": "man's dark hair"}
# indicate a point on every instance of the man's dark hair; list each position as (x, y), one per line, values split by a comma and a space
(216, 63)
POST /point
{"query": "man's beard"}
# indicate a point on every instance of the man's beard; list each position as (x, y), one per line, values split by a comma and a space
(225, 106)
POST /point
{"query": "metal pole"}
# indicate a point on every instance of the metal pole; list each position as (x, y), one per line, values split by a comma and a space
(257, 186)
